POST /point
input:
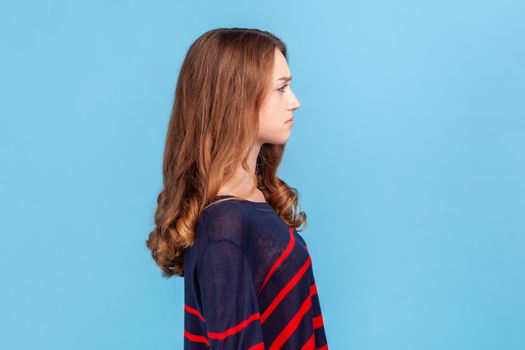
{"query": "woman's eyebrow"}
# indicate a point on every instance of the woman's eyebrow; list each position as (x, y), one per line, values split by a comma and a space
(285, 78)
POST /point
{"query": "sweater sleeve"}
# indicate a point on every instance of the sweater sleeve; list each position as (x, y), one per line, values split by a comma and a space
(229, 301)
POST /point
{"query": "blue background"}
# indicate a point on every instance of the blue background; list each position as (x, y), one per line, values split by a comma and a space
(408, 153)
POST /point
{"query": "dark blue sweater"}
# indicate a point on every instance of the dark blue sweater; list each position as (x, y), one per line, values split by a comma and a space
(249, 282)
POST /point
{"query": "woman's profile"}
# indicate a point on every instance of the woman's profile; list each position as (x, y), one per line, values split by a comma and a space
(225, 221)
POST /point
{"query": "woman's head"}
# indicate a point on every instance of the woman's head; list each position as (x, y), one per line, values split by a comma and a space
(227, 102)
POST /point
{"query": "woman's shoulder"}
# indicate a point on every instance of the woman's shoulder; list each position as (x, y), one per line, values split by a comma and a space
(226, 220)
(217, 223)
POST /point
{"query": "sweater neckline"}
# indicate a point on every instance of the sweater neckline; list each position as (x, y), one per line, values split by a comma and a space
(246, 201)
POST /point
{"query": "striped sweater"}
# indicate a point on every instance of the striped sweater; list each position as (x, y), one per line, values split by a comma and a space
(249, 283)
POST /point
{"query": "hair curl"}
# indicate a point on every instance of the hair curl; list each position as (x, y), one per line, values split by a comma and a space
(213, 126)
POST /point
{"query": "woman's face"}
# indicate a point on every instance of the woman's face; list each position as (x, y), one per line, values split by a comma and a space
(278, 106)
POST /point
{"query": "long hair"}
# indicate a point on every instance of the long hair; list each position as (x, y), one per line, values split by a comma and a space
(213, 125)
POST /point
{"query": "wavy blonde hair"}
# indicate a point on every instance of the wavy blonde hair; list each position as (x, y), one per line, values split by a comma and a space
(213, 125)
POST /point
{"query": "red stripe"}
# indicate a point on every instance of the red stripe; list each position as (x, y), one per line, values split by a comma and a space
(259, 346)
(310, 344)
(194, 311)
(234, 329)
(286, 290)
(313, 289)
(318, 321)
(292, 325)
(324, 347)
(278, 262)
(196, 338)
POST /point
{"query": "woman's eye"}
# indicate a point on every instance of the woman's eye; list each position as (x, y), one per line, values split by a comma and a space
(281, 89)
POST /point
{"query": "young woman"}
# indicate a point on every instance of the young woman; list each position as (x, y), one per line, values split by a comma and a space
(225, 221)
